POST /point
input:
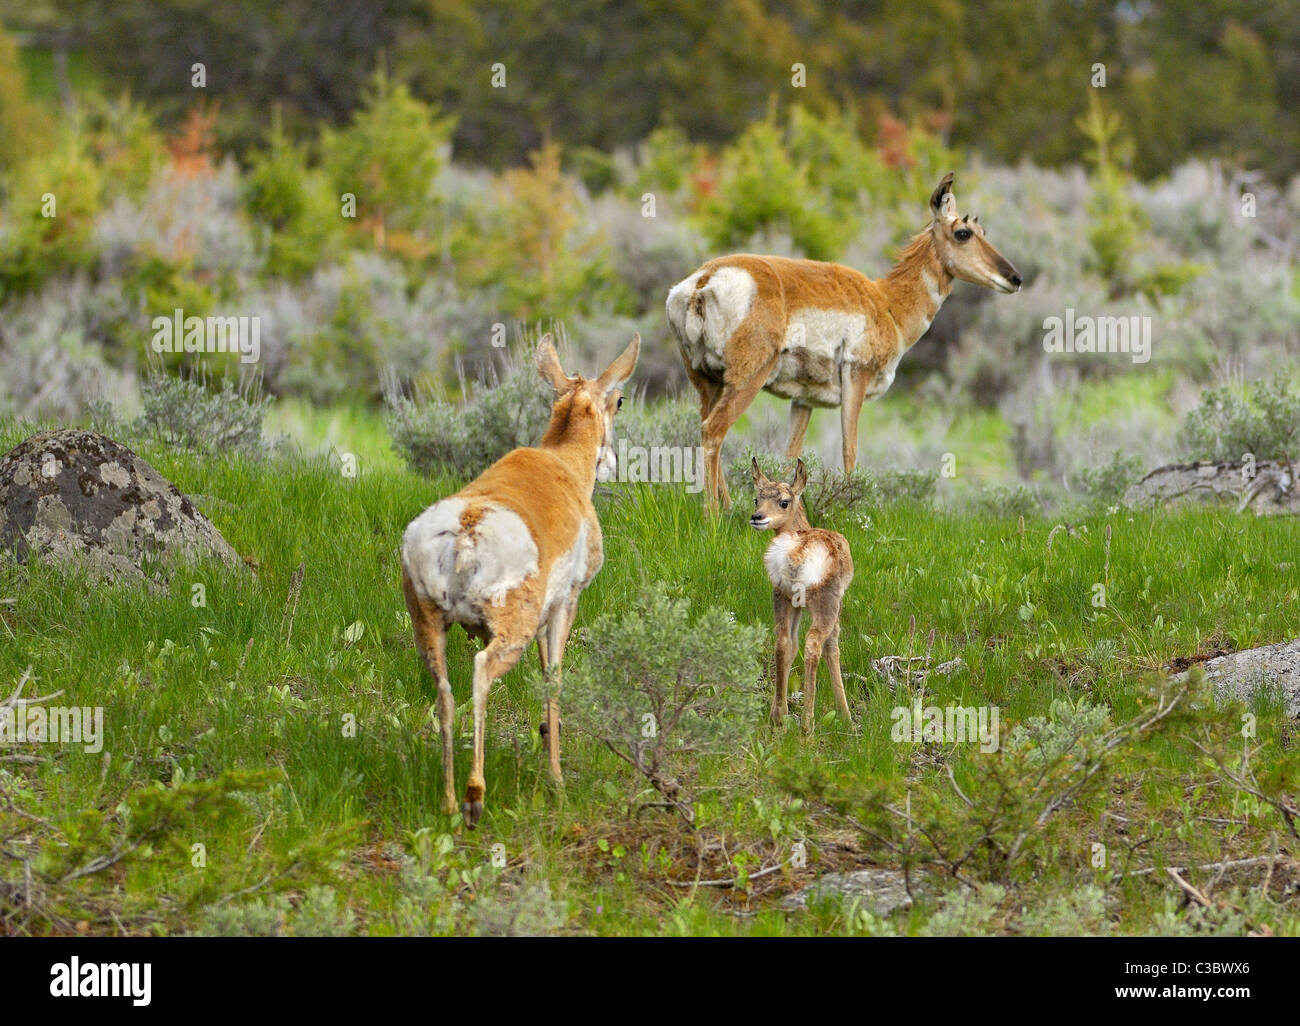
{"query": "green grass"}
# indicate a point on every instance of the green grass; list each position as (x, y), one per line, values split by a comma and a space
(190, 692)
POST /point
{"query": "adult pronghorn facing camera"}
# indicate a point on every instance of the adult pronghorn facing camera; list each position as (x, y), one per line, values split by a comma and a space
(508, 555)
(809, 569)
(815, 333)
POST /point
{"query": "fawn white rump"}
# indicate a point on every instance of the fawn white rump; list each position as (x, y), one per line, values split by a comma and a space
(508, 556)
(816, 333)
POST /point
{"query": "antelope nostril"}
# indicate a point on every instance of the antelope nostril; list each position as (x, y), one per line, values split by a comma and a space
(1014, 279)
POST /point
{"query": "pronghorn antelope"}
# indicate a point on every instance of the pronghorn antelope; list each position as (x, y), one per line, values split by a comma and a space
(508, 555)
(815, 333)
(809, 568)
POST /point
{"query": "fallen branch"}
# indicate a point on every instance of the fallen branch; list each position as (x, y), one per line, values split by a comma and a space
(730, 882)
(1258, 860)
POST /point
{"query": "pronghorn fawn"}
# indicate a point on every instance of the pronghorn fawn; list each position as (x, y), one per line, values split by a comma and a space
(818, 334)
(508, 555)
(809, 569)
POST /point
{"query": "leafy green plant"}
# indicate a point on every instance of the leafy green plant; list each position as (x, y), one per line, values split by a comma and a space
(1116, 220)
(294, 202)
(765, 187)
(388, 156)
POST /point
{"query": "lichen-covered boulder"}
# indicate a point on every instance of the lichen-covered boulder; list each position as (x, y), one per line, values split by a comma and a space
(1246, 675)
(80, 497)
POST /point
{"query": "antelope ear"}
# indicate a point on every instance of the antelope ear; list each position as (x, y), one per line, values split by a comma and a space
(756, 473)
(617, 373)
(548, 365)
(800, 480)
(942, 202)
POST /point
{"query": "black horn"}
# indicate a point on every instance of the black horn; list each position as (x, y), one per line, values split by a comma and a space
(936, 198)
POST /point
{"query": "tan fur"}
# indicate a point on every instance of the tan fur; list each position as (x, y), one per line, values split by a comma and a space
(549, 489)
(796, 545)
(758, 354)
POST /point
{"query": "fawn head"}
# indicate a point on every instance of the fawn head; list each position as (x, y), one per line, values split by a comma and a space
(776, 504)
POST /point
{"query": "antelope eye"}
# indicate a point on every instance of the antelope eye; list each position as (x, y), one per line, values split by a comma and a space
(962, 234)
(785, 503)
(620, 403)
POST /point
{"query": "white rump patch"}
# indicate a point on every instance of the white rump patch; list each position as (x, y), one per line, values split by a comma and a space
(811, 571)
(705, 319)
(465, 571)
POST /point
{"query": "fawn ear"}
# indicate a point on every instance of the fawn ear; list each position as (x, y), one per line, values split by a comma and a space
(617, 373)
(800, 480)
(548, 365)
(759, 479)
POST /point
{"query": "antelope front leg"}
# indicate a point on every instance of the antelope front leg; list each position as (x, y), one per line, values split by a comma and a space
(557, 639)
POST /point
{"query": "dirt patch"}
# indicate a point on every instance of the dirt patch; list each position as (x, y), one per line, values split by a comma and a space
(1181, 663)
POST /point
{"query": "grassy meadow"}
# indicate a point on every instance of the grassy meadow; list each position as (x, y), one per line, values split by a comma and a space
(227, 726)
(397, 201)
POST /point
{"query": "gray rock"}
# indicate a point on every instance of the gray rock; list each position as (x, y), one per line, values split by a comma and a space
(1269, 489)
(80, 497)
(1245, 674)
(881, 891)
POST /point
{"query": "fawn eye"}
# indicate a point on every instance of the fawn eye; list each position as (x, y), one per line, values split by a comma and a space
(620, 403)
(785, 503)
(962, 234)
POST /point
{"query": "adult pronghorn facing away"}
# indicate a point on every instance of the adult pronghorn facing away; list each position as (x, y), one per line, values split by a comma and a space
(508, 555)
(815, 333)
(809, 569)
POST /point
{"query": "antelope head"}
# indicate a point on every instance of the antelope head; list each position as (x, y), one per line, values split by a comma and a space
(777, 504)
(598, 397)
(962, 249)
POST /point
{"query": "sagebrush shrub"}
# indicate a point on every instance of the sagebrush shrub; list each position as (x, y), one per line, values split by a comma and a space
(1106, 483)
(185, 412)
(999, 500)
(503, 410)
(1263, 420)
(669, 422)
(659, 686)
